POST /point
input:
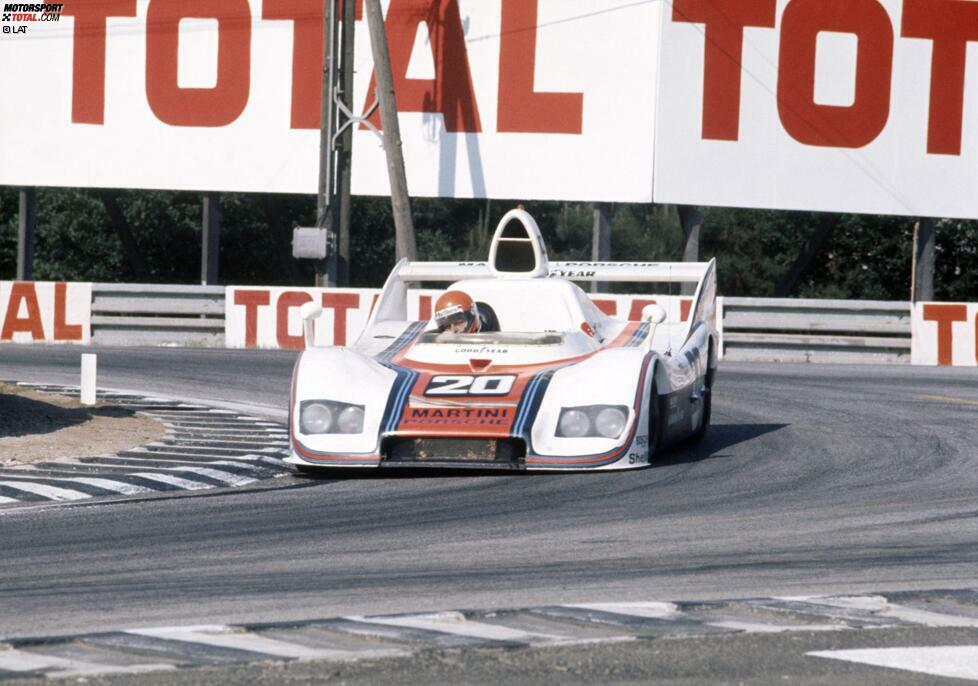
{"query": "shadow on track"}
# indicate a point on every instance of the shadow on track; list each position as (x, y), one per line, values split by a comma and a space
(719, 437)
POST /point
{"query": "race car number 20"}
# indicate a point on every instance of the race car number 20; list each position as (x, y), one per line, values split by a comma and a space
(454, 384)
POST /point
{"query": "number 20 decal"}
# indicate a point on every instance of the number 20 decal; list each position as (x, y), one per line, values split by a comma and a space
(452, 384)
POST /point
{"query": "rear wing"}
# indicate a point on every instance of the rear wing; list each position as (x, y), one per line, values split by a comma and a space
(392, 303)
(610, 272)
(517, 251)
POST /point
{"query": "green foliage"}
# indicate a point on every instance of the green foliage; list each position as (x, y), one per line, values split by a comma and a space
(864, 256)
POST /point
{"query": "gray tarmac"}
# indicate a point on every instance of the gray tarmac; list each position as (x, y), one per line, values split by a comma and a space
(813, 479)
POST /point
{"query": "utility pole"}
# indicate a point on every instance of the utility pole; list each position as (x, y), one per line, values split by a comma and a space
(210, 244)
(325, 206)
(600, 241)
(345, 161)
(922, 284)
(692, 221)
(400, 200)
(26, 225)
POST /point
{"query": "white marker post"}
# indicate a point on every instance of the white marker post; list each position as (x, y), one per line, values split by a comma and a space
(88, 367)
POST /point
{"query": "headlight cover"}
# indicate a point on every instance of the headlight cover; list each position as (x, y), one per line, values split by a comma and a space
(330, 417)
(592, 421)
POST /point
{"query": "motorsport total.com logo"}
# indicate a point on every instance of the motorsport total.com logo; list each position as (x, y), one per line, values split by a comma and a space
(17, 13)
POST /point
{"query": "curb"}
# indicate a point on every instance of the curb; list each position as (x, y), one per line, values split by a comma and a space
(203, 448)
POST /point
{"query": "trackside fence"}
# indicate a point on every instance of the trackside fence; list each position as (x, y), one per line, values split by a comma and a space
(751, 329)
(840, 331)
(138, 314)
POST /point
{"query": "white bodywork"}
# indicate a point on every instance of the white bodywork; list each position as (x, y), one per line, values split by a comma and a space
(555, 351)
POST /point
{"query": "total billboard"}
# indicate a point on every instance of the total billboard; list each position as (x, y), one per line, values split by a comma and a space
(535, 99)
(838, 105)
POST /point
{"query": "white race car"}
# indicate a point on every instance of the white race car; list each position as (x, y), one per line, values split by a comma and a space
(559, 386)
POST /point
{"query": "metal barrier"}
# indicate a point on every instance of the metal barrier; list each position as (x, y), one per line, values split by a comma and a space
(149, 314)
(839, 331)
(757, 329)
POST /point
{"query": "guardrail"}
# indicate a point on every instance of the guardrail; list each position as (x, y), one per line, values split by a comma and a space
(756, 329)
(840, 331)
(149, 314)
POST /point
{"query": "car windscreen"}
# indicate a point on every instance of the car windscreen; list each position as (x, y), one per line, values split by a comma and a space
(497, 338)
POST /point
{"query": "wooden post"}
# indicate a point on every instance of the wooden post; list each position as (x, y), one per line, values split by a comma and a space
(26, 226)
(692, 221)
(600, 241)
(922, 285)
(210, 244)
(400, 200)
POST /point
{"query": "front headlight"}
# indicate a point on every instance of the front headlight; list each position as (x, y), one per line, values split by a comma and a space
(605, 421)
(330, 417)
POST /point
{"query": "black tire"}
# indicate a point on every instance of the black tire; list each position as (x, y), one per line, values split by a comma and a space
(311, 472)
(655, 422)
(707, 402)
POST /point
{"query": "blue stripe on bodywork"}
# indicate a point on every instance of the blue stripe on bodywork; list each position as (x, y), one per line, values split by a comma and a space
(405, 378)
(640, 334)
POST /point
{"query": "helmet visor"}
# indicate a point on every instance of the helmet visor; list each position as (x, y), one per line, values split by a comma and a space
(452, 318)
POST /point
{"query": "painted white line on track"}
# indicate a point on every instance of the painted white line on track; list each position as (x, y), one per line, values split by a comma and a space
(650, 610)
(226, 477)
(110, 485)
(23, 661)
(957, 662)
(225, 637)
(456, 623)
(759, 628)
(52, 492)
(172, 480)
(883, 608)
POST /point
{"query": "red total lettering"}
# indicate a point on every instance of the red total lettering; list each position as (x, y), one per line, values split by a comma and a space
(341, 303)
(88, 56)
(521, 109)
(451, 91)
(725, 22)
(951, 24)
(307, 56)
(22, 292)
(638, 304)
(251, 300)
(217, 106)
(829, 125)
(945, 316)
(63, 331)
(609, 307)
(424, 308)
(286, 302)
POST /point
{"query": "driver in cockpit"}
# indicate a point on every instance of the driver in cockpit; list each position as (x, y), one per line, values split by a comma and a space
(457, 312)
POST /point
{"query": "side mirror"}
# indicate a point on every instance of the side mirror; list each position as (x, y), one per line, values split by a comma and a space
(310, 312)
(655, 314)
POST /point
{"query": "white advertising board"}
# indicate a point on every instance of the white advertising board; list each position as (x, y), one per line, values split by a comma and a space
(268, 317)
(836, 105)
(514, 99)
(42, 312)
(945, 334)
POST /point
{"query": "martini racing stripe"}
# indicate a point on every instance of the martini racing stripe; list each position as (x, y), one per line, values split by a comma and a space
(401, 342)
(399, 394)
(530, 402)
(638, 336)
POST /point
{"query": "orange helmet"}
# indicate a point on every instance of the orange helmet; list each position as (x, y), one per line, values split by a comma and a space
(456, 311)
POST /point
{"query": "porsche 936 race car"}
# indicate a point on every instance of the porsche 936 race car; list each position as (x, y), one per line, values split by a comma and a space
(560, 385)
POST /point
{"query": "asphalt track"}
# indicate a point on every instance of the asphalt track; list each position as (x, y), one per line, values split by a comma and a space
(813, 479)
